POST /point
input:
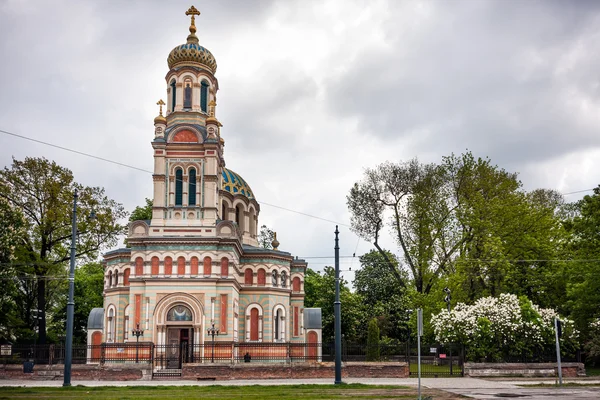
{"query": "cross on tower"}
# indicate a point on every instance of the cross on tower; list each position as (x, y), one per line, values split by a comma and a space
(193, 11)
(160, 103)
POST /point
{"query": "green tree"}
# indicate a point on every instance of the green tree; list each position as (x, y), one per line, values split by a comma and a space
(12, 232)
(89, 285)
(382, 297)
(320, 292)
(43, 191)
(583, 287)
(373, 341)
(142, 213)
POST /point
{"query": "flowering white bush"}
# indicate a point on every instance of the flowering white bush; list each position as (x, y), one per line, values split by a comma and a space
(501, 327)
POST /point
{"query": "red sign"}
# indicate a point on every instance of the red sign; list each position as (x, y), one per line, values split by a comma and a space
(442, 356)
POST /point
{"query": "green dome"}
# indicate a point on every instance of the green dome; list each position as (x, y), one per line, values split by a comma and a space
(235, 184)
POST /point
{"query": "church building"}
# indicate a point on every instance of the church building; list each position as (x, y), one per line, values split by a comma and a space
(197, 264)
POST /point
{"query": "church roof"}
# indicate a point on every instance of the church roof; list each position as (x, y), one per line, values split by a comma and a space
(96, 318)
(235, 184)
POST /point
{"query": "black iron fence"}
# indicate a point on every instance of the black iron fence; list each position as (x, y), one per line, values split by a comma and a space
(436, 359)
(82, 354)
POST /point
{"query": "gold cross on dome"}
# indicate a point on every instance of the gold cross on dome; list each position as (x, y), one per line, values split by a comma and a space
(160, 103)
(193, 12)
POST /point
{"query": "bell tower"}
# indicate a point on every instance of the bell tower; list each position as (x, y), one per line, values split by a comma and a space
(188, 149)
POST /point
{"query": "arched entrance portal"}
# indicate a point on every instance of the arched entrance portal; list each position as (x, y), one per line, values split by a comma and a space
(180, 340)
(179, 320)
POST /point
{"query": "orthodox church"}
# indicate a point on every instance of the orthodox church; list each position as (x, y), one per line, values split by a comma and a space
(197, 265)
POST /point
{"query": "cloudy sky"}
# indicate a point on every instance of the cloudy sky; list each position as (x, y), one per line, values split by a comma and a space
(311, 93)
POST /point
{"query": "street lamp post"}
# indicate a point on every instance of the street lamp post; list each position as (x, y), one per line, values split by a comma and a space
(137, 332)
(448, 299)
(70, 302)
(212, 331)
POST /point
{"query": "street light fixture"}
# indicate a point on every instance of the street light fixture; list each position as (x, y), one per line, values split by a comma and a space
(137, 332)
(448, 297)
(212, 332)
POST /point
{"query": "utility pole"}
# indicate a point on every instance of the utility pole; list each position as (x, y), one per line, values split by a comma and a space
(558, 334)
(71, 302)
(337, 313)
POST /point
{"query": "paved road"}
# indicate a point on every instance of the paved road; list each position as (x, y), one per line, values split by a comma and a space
(471, 387)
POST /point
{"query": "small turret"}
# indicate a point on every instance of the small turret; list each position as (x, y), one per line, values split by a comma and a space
(160, 122)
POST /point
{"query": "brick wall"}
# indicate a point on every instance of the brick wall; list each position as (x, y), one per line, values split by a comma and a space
(78, 372)
(295, 371)
(523, 369)
(210, 371)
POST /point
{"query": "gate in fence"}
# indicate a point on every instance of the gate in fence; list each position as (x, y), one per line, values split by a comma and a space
(437, 360)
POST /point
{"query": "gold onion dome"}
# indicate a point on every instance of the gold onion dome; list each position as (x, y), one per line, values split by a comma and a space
(191, 53)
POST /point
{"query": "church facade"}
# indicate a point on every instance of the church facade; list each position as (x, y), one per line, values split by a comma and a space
(197, 264)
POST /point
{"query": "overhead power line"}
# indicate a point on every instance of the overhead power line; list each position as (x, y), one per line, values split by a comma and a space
(151, 172)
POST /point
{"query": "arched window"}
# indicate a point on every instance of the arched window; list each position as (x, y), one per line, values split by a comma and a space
(139, 266)
(168, 266)
(109, 278)
(279, 325)
(204, 96)
(173, 96)
(178, 186)
(116, 276)
(274, 278)
(248, 277)
(187, 94)
(155, 262)
(126, 323)
(283, 279)
(207, 266)
(296, 284)
(254, 324)
(194, 266)
(192, 187)
(252, 228)
(262, 277)
(110, 325)
(126, 274)
(224, 211)
(181, 266)
(239, 217)
(224, 267)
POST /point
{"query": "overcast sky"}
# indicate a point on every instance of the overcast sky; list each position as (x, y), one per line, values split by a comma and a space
(311, 93)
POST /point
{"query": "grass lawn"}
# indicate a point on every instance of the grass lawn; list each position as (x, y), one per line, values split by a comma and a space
(429, 369)
(289, 392)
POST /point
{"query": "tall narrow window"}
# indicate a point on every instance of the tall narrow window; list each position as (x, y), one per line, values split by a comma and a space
(207, 266)
(173, 96)
(126, 277)
(181, 266)
(223, 211)
(187, 95)
(224, 267)
(139, 266)
(168, 266)
(192, 187)
(155, 265)
(178, 186)
(248, 277)
(204, 96)
(194, 266)
(254, 324)
(277, 319)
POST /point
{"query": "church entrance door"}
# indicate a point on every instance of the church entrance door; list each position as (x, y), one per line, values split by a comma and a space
(179, 346)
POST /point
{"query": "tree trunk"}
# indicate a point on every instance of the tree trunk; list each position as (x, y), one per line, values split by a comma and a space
(41, 305)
